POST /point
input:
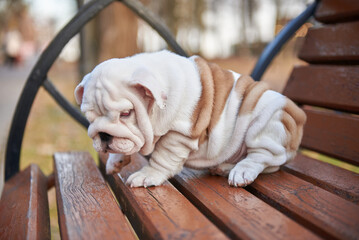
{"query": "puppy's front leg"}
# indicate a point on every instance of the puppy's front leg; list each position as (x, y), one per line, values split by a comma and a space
(116, 162)
(166, 161)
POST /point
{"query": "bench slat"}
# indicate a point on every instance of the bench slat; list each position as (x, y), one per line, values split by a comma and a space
(337, 43)
(24, 210)
(330, 11)
(334, 87)
(159, 212)
(334, 179)
(86, 206)
(334, 134)
(319, 210)
(235, 210)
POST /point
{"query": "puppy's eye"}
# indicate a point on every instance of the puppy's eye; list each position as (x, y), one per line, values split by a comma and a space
(125, 114)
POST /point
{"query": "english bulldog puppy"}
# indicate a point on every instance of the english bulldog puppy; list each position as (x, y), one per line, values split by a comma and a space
(187, 112)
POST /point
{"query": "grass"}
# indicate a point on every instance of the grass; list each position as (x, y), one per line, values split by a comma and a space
(49, 129)
(330, 160)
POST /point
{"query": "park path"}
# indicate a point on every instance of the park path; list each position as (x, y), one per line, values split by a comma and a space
(12, 80)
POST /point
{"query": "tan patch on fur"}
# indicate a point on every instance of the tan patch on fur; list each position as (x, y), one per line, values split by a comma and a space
(242, 84)
(250, 92)
(223, 84)
(203, 111)
(216, 87)
(293, 119)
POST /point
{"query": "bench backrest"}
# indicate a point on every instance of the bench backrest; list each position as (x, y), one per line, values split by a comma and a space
(328, 87)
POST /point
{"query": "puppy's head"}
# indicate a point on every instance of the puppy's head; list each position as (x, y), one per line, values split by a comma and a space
(117, 98)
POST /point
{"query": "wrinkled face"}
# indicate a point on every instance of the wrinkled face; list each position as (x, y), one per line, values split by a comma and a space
(113, 125)
(112, 108)
(115, 130)
(117, 98)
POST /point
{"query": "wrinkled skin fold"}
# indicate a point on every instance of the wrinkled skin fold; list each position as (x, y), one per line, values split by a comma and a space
(187, 112)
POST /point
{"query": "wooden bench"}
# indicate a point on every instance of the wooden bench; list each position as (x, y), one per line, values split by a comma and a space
(24, 209)
(306, 199)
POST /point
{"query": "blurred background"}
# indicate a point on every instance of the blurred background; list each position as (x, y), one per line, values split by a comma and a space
(231, 33)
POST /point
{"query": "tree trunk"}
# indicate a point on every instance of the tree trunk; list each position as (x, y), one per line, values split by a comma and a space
(111, 34)
(117, 32)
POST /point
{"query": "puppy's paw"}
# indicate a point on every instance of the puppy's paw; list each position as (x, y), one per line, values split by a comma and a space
(116, 162)
(241, 176)
(112, 167)
(146, 177)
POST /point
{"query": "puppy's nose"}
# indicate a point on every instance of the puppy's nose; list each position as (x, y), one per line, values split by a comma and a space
(105, 137)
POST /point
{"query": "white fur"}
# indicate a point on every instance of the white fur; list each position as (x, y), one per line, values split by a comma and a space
(174, 84)
(264, 139)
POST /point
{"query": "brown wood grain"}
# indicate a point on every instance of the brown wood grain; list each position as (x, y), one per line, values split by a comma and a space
(235, 210)
(24, 210)
(337, 43)
(332, 133)
(320, 210)
(331, 178)
(86, 207)
(330, 11)
(335, 87)
(315, 208)
(50, 181)
(159, 212)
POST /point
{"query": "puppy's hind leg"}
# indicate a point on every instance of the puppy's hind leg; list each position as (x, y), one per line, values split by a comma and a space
(271, 169)
(265, 151)
(247, 170)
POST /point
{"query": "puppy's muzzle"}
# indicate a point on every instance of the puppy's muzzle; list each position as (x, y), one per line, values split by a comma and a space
(105, 137)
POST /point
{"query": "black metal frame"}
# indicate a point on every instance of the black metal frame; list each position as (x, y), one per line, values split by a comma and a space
(38, 75)
(273, 48)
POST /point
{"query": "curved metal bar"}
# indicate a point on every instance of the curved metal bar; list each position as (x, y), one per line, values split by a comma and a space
(69, 108)
(37, 77)
(138, 8)
(274, 47)
(39, 72)
(88, 11)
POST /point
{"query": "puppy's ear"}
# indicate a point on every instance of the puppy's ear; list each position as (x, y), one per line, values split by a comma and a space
(79, 90)
(149, 88)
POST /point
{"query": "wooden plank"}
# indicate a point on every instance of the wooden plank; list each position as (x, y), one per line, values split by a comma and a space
(159, 212)
(235, 210)
(335, 87)
(331, 178)
(332, 133)
(86, 207)
(337, 43)
(24, 209)
(333, 11)
(315, 208)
